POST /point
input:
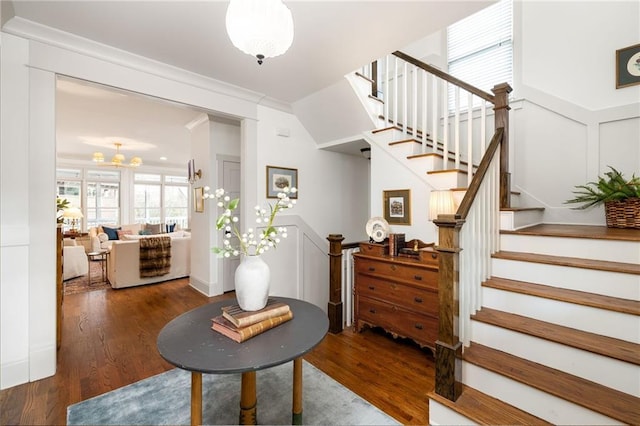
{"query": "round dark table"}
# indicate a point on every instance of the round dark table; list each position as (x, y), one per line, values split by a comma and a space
(189, 343)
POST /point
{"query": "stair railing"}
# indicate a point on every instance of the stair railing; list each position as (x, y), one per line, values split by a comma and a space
(466, 241)
(445, 114)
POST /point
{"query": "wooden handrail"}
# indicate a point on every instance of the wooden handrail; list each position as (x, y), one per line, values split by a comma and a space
(448, 77)
(470, 195)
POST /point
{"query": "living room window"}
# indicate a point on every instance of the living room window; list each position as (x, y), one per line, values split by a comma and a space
(161, 199)
(480, 49)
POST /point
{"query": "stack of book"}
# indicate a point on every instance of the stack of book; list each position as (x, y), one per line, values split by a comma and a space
(241, 325)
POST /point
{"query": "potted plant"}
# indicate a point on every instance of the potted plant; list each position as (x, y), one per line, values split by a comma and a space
(621, 198)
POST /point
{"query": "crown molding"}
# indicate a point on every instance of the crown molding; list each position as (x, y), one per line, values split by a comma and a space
(53, 37)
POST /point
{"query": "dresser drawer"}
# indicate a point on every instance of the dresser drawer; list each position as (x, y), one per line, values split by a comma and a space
(422, 300)
(421, 328)
(397, 271)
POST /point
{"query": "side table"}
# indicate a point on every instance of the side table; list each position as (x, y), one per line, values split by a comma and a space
(100, 256)
(189, 343)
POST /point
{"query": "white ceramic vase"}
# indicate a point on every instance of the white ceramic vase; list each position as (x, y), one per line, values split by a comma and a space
(252, 283)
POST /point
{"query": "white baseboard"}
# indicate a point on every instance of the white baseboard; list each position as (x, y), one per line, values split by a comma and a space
(14, 373)
(43, 362)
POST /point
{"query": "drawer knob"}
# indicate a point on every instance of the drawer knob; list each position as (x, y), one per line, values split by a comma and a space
(417, 299)
(393, 267)
(373, 311)
(434, 255)
(371, 287)
(418, 326)
(371, 269)
(417, 277)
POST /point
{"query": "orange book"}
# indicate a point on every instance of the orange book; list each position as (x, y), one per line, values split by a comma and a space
(226, 327)
(241, 318)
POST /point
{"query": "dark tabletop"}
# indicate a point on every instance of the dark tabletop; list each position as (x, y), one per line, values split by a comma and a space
(188, 342)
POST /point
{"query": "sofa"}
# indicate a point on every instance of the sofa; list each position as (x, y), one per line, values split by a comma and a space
(103, 236)
(74, 260)
(123, 260)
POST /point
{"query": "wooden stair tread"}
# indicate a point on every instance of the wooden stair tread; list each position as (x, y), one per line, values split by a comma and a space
(609, 402)
(365, 77)
(595, 343)
(375, 98)
(520, 209)
(486, 410)
(565, 295)
(403, 141)
(447, 171)
(425, 154)
(574, 262)
(580, 231)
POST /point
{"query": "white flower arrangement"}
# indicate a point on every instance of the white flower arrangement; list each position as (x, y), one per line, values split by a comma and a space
(247, 243)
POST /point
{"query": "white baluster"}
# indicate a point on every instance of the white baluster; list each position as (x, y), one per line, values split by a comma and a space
(404, 99)
(456, 128)
(414, 95)
(425, 107)
(395, 91)
(469, 137)
(445, 125)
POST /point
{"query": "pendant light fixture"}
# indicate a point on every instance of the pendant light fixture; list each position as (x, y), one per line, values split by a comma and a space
(260, 28)
(117, 160)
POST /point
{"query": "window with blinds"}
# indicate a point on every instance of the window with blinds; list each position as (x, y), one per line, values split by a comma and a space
(480, 49)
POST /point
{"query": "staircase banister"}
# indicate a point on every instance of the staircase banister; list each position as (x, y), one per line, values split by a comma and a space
(478, 177)
(448, 77)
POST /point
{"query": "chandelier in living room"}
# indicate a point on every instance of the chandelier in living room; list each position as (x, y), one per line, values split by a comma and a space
(118, 160)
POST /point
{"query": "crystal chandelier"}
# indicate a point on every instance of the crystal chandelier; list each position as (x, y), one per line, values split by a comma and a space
(117, 160)
(260, 28)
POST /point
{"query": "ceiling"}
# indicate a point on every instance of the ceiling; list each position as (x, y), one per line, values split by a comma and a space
(331, 39)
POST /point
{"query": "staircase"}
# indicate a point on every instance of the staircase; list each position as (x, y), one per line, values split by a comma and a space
(558, 334)
(553, 332)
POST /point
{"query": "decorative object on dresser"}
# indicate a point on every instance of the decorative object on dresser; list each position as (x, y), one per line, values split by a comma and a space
(377, 229)
(398, 294)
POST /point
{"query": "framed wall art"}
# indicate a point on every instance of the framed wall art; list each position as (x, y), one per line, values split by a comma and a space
(279, 178)
(397, 206)
(628, 66)
(198, 199)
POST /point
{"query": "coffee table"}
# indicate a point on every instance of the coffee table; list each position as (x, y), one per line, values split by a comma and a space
(189, 343)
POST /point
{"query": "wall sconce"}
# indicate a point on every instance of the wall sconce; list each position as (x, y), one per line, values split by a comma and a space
(366, 152)
(441, 202)
(194, 174)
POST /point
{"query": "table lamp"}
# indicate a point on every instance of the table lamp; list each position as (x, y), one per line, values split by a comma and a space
(73, 213)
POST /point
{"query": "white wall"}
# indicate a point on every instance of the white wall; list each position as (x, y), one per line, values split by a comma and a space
(572, 121)
(333, 187)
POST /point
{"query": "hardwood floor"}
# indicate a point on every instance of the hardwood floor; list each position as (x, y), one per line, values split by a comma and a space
(109, 341)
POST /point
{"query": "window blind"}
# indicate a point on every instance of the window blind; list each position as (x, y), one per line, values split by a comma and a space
(480, 48)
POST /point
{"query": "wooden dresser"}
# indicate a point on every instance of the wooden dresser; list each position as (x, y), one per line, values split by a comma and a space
(399, 294)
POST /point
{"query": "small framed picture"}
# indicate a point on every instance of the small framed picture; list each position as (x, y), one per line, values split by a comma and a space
(198, 199)
(279, 178)
(628, 66)
(397, 206)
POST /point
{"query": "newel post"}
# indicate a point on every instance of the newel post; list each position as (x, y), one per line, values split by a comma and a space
(501, 108)
(334, 308)
(448, 346)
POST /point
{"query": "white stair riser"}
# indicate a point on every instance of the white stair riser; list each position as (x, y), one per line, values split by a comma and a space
(512, 220)
(606, 283)
(609, 372)
(447, 180)
(609, 323)
(538, 403)
(405, 149)
(425, 164)
(610, 250)
(442, 415)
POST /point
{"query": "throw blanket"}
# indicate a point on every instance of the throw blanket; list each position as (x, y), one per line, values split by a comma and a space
(155, 256)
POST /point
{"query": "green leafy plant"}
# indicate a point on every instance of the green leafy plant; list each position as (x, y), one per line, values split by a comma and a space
(610, 187)
(61, 204)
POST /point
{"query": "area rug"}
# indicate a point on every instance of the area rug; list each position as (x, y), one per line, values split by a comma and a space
(164, 399)
(81, 284)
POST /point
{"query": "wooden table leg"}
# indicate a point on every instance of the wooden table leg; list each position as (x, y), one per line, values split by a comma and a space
(296, 418)
(248, 400)
(196, 398)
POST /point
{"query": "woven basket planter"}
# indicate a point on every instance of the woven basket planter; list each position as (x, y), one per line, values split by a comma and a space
(623, 214)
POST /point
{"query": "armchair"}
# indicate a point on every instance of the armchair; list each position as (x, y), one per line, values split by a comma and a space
(74, 260)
